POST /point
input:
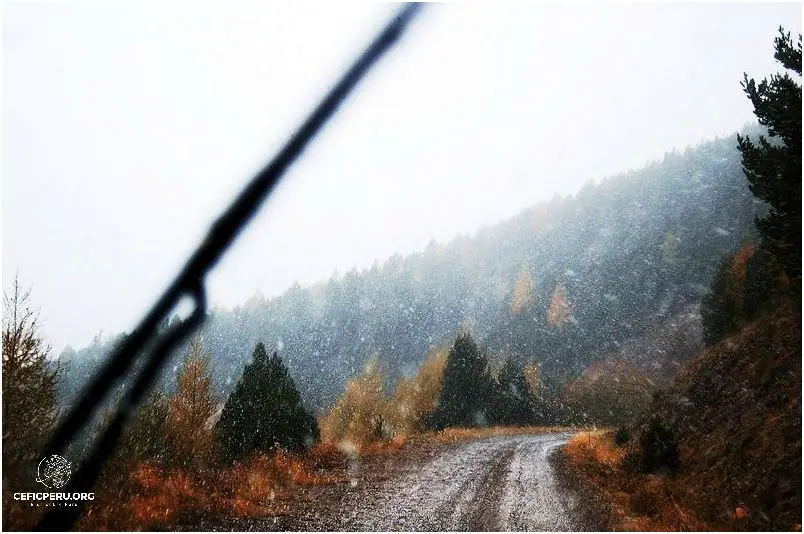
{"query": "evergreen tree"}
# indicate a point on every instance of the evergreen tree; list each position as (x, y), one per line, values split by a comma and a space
(719, 312)
(145, 437)
(513, 402)
(467, 387)
(627, 250)
(143, 441)
(773, 165)
(264, 411)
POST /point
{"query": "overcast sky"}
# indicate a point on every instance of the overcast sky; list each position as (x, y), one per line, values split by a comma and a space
(127, 126)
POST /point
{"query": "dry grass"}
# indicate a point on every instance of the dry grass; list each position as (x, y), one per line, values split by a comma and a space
(158, 498)
(594, 447)
(455, 435)
(638, 502)
(735, 412)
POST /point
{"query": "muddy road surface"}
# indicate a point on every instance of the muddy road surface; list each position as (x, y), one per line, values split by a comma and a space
(498, 483)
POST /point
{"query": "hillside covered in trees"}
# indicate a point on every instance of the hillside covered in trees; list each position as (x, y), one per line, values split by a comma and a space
(562, 285)
(627, 357)
(719, 445)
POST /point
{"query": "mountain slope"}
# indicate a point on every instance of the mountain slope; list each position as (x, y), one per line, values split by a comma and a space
(736, 413)
(565, 282)
(718, 449)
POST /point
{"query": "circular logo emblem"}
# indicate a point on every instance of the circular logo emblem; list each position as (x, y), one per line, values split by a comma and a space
(53, 471)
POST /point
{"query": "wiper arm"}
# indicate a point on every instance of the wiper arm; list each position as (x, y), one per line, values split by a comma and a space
(190, 283)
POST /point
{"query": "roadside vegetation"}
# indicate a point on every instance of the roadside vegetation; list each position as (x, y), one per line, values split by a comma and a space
(649, 303)
(627, 499)
(719, 448)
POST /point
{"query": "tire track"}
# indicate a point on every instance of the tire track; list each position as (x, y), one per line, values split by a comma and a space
(533, 499)
(500, 483)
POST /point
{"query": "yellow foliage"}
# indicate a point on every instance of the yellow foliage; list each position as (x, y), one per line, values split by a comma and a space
(363, 414)
(523, 292)
(356, 416)
(415, 397)
(594, 446)
(559, 311)
(189, 436)
(533, 377)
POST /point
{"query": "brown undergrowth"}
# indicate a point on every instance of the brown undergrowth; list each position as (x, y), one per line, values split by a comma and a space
(732, 418)
(156, 498)
(151, 497)
(455, 435)
(634, 501)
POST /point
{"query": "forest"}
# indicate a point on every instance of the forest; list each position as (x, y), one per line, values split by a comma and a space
(593, 294)
(574, 312)
(563, 284)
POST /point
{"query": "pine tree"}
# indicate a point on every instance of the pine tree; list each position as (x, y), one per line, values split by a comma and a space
(512, 397)
(29, 386)
(720, 314)
(467, 390)
(143, 441)
(773, 165)
(145, 437)
(190, 439)
(264, 411)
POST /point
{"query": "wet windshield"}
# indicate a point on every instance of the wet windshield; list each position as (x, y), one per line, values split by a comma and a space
(534, 267)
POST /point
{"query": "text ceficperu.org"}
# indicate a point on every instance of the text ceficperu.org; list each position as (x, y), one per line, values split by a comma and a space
(57, 496)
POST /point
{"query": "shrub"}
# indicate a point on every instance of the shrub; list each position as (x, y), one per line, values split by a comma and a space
(357, 415)
(364, 415)
(658, 447)
(417, 396)
(621, 436)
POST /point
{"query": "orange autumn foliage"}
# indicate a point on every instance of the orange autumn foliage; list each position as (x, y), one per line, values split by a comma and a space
(188, 431)
(638, 502)
(738, 270)
(559, 310)
(523, 292)
(364, 418)
(356, 416)
(415, 397)
(163, 497)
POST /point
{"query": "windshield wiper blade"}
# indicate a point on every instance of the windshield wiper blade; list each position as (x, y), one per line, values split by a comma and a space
(190, 283)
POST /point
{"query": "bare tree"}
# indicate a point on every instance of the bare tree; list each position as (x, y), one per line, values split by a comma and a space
(29, 384)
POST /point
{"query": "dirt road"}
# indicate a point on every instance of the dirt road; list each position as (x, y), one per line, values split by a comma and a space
(500, 483)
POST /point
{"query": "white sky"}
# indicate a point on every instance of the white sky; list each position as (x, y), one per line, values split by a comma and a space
(127, 126)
